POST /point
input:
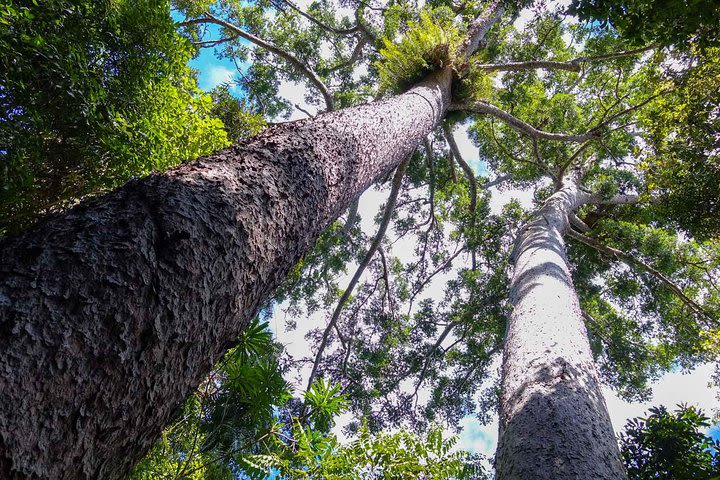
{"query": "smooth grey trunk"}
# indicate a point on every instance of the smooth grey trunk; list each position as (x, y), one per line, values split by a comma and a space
(111, 314)
(554, 424)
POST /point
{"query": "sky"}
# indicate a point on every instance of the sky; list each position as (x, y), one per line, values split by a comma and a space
(691, 388)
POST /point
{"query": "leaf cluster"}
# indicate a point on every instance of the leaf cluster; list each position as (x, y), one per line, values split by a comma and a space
(670, 446)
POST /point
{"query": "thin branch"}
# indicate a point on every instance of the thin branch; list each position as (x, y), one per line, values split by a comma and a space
(387, 215)
(573, 157)
(271, 47)
(386, 278)
(496, 181)
(626, 111)
(310, 115)
(540, 161)
(319, 23)
(364, 29)
(521, 126)
(430, 159)
(430, 354)
(472, 181)
(352, 218)
(598, 328)
(574, 65)
(214, 43)
(427, 279)
(529, 65)
(354, 56)
(512, 155)
(631, 260)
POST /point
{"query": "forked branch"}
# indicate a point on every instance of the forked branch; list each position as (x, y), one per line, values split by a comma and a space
(521, 126)
(270, 47)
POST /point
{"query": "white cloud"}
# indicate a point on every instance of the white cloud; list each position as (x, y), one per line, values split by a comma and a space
(673, 388)
(216, 75)
(295, 94)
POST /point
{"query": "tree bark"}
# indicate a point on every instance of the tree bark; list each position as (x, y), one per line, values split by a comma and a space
(111, 314)
(554, 424)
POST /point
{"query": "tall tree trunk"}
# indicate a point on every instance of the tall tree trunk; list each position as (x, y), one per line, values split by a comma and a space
(111, 314)
(554, 424)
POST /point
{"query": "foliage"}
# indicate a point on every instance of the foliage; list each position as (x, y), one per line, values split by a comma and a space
(91, 95)
(416, 343)
(323, 401)
(236, 115)
(427, 45)
(224, 419)
(400, 455)
(683, 158)
(670, 446)
(668, 22)
(401, 357)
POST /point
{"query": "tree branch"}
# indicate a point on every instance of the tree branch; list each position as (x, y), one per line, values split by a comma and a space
(352, 218)
(627, 110)
(430, 159)
(472, 181)
(574, 65)
(387, 215)
(271, 47)
(496, 181)
(620, 199)
(438, 342)
(319, 23)
(577, 222)
(479, 27)
(309, 115)
(631, 260)
(354, 56)
(521, 126)
(386, 278)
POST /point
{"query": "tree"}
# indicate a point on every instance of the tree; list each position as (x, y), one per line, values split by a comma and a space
(670, 445)
(167, 271)
(93, 94)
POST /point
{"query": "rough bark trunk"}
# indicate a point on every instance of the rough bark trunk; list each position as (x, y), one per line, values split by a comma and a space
(554, 424)
(112, 313)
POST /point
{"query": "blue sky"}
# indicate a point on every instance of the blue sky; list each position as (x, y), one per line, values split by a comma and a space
(212, 71)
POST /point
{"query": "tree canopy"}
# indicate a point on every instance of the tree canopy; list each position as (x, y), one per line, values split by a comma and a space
(623, 99)
(93, 94)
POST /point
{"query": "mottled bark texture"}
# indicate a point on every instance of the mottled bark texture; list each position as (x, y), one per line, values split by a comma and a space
(111, 314)
(554, 424)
